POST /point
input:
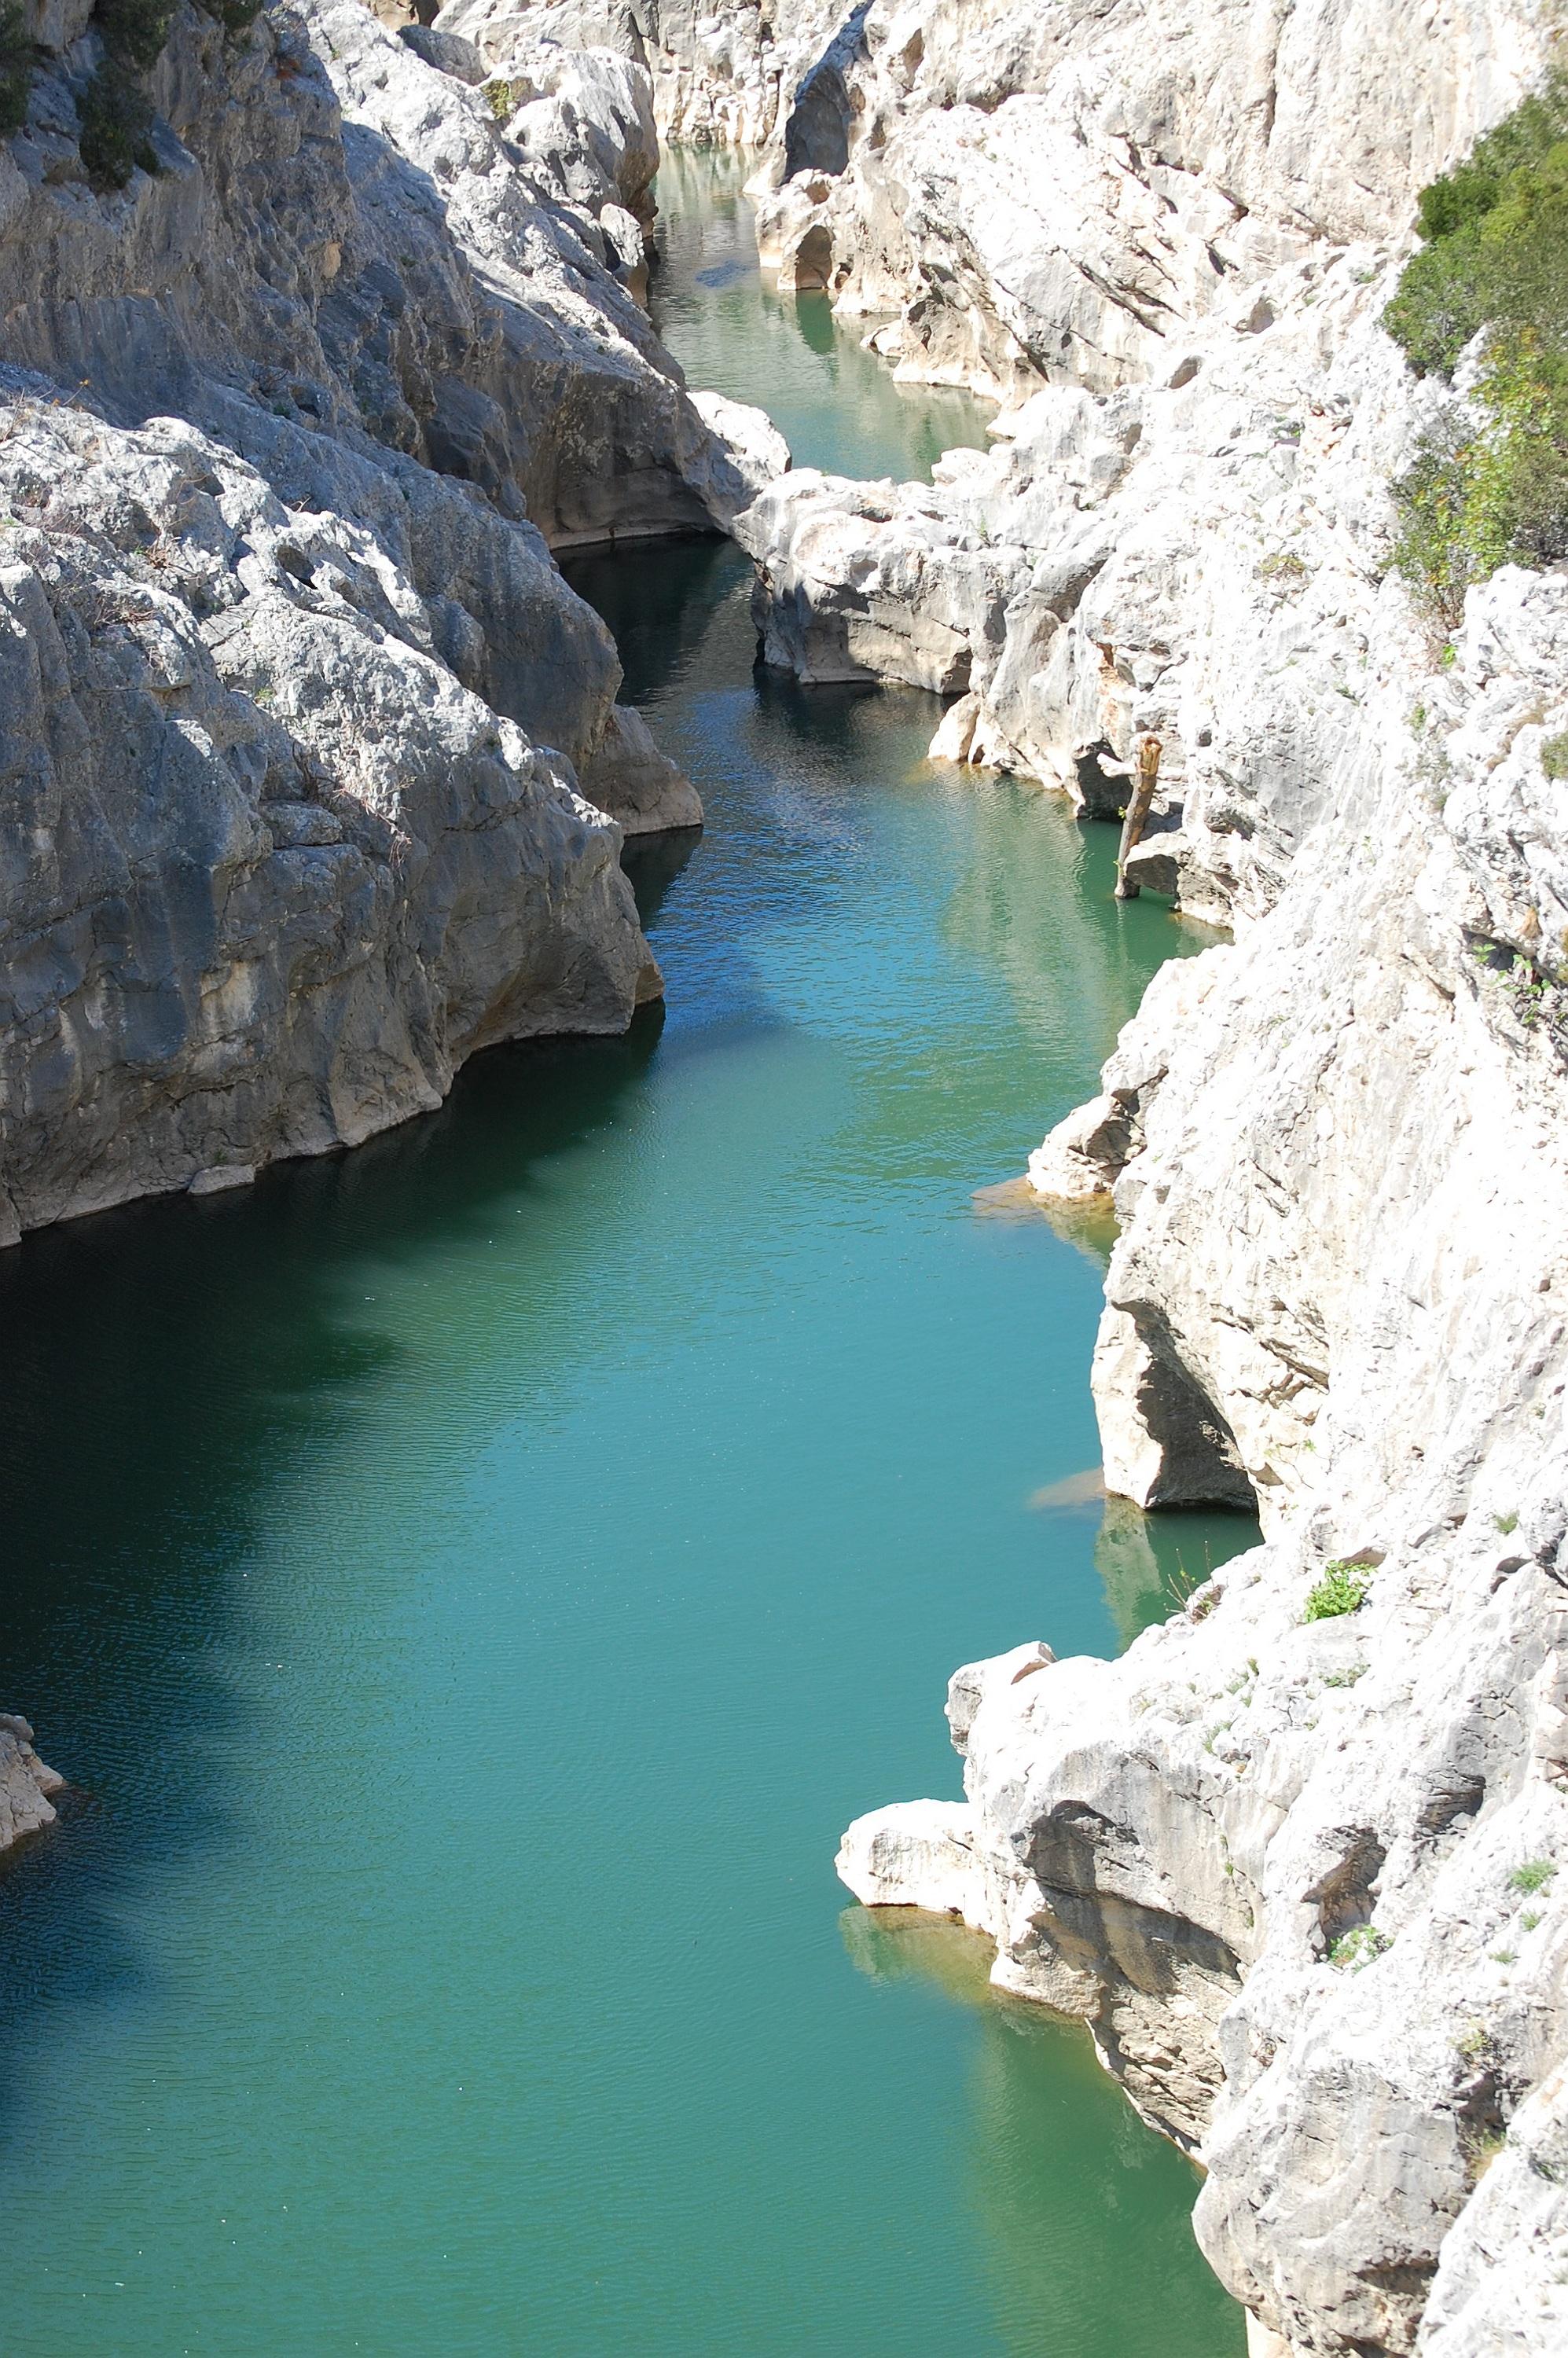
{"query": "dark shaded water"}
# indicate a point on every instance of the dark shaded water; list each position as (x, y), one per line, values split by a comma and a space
(475, 1580)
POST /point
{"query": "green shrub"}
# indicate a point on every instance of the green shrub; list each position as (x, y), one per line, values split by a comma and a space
(234, 16)
(1342, 1589)
(134, 31)
(1359, 1948)
(18, 56)
(116, 117)
(1495, 259)
(1533, 1875)
(1495, 248)
(1554, 756)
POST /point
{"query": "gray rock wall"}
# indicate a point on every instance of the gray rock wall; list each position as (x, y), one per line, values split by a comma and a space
(297, 703)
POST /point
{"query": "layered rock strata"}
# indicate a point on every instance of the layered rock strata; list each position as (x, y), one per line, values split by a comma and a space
(298, 707)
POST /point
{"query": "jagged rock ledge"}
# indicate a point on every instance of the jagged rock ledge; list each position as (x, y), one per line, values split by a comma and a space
(25, 1783)
(311, 764)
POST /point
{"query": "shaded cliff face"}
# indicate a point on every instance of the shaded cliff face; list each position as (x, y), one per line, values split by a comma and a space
(297, 703)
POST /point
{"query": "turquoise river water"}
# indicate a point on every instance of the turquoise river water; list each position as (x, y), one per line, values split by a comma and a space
(472, 1582)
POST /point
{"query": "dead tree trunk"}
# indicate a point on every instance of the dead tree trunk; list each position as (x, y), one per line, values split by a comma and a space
(1136, 815)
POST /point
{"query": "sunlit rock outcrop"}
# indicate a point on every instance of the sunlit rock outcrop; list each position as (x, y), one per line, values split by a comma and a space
(1296, 1857)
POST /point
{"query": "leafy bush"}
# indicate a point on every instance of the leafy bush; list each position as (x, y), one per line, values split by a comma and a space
(18, 55)
(135, 30)
(1533, 1875)
(1495, 259)
(116, 123)
(1342, 1589)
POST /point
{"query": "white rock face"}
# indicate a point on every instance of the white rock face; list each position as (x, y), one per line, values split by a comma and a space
(1040, 191)
(298, 704)
(276, 870)
(26, 1784)
(1305, 1877)
(1300, 1876)
(1203, 561)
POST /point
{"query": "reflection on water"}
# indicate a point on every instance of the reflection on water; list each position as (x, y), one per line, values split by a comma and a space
(836, 403)
(1062, 2182)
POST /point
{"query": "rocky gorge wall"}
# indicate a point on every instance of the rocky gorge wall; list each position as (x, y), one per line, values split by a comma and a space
(1296, 1858)
(268, 529)
(312, 778)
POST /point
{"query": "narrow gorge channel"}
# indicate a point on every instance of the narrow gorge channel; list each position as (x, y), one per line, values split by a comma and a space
(514, 1551)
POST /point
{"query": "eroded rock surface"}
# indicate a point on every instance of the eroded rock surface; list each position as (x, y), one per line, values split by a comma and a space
(1298, 1867)
(26, 1784)
(297, 705)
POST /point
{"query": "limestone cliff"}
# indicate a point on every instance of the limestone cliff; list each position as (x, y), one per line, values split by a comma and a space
(1298, 1858)
(297, 707)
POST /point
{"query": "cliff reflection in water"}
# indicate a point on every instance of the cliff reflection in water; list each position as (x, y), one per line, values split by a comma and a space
(1050, 2142)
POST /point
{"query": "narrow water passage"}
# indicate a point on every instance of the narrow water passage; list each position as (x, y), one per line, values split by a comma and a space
(475, 1580)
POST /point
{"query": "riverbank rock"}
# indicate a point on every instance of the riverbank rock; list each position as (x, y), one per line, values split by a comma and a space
(298, 703)
(1294, 1856)
(26, 1784)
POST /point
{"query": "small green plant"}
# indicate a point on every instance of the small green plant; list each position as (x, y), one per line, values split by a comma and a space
(1342, 1589)
(1505, 1957)
(500, 100)
(1533, 1875)
(1180, 1584)
(1282, 565)
(1360, 1947)
(1347, 1678)
(1475, 2043)
(1554, 755)
(1481, 2149)
(18, 56)
(1531, 1919)
(1506, 1523)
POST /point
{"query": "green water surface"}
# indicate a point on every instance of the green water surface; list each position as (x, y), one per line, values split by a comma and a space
(472, 1582)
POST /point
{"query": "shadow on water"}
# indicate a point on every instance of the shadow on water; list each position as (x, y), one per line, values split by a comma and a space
(121, 1591)
(511, 1552)
(659, 638)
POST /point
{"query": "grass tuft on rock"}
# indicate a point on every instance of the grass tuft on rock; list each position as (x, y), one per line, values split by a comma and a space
(1342, 1589)
(1360, 1947)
